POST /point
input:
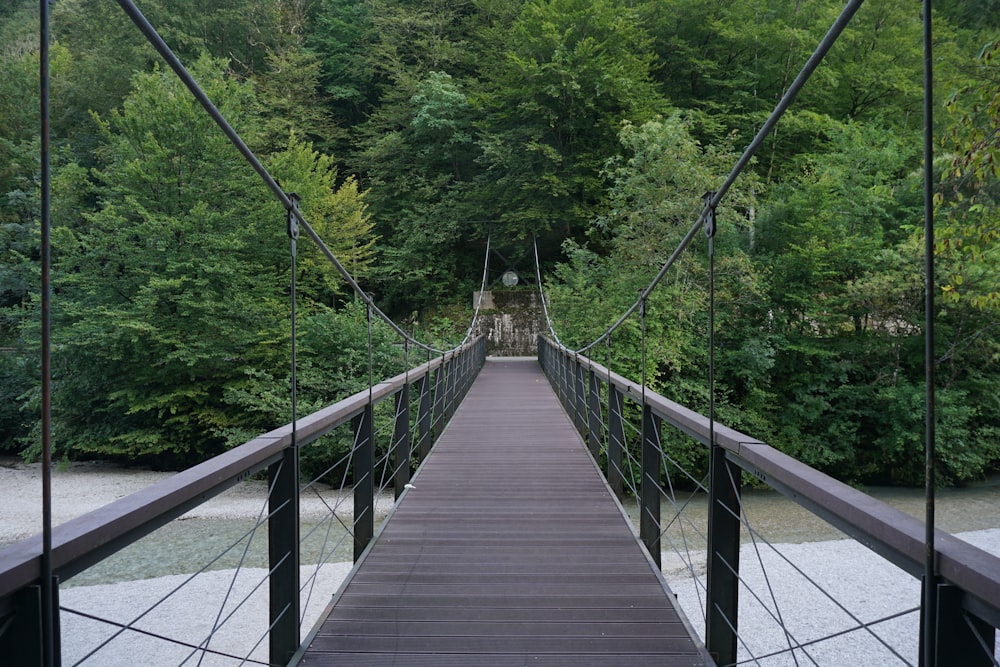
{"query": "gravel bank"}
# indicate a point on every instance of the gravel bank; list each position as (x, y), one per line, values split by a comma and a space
(864, 585)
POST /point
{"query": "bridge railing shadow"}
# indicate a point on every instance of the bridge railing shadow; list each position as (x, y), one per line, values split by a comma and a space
(628, 429)
(389, 430)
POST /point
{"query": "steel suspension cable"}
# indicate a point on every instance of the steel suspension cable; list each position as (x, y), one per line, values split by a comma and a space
(293, 237)
(48, 589)
(541, 293)
(175, 64)
(755, 536)
(928, 630)
(779, 110)
(170, 640)
(482, 289)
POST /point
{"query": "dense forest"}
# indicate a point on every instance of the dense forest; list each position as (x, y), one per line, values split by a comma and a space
(415, 130)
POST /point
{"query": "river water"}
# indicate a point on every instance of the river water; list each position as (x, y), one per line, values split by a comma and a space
(222, 543)
(178, 546)
(781, 520)
(175, 548)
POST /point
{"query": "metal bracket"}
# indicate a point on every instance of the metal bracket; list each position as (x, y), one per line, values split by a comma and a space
(293, 220)
(710, 223)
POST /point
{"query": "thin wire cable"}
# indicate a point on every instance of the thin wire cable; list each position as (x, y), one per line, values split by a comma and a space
(767, 579)
(182, 584)
(541, 293)
(293, 236)
(987, 650)
(841, 633)
(154, 635)
(239, 566)
(482, 290)
(758, 536)
(779, 110)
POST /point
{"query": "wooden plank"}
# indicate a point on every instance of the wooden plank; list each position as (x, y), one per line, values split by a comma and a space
(508, 550)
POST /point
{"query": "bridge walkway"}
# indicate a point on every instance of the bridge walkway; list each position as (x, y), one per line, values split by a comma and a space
(508, 550)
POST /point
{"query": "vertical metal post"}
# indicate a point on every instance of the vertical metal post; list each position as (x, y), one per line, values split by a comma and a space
(722, 597)
(566, 378)
(21, 638)
(557, 374)
(401, 441)
(451, 378)
(283, 557)
(956, 642)
(438, 412)
(929, 604)
(594, 414)
(466, 373)
(49, 608)
(724, 486)
(283, 505)
(364, 481)
(580, 411)
(424, 416)
(616, 439)
(649, 488)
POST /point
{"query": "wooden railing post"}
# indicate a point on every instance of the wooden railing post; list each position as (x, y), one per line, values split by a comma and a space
(283, 557)
(401, 441)
(722, 604)
(649, 491)
(616, 439)
(364, 481)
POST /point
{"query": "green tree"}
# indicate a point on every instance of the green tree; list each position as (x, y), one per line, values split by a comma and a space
(969, 206)
(336, 211)
(421, 176)
(572, 73)
(173, 293)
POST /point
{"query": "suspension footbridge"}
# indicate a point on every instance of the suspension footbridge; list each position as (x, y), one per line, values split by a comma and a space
(506, 546)
(508, 549)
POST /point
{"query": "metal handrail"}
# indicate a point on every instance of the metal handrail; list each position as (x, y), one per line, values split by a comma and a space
(896, 536)
(86, 540)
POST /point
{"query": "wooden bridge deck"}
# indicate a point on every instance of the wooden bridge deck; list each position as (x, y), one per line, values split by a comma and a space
(509, 550)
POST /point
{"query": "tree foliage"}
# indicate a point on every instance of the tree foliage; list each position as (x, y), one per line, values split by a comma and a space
(413, 131)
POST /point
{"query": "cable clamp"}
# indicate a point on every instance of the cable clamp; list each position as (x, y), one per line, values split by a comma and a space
(708, 198)
(293, 220)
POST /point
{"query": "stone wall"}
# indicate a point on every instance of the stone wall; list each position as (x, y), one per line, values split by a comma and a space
(510, 320)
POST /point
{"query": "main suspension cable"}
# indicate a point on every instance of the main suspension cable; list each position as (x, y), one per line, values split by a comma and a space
(175, 64)
(482, 290)
(541, 293)
(779, 110)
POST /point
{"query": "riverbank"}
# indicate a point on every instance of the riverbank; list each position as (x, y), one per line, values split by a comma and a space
(861, 582)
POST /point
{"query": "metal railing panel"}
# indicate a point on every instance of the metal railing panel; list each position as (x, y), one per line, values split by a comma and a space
(86, 540)
(891, 533)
